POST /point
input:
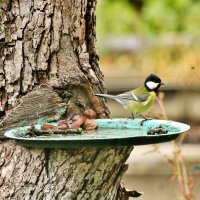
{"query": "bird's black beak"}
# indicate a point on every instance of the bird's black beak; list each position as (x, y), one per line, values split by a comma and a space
(162, 84)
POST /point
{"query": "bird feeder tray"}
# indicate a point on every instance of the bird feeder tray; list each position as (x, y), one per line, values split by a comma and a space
(109, 133)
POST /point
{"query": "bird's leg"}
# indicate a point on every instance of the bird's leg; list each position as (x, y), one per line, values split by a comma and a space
(132, 116)
(144, 119)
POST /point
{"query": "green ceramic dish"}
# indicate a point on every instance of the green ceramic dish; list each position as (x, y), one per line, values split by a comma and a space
(110, 132)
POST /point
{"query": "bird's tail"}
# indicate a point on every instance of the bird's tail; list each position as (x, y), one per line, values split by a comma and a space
(106, 96)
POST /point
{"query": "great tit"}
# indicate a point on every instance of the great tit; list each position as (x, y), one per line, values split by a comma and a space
(140, 99)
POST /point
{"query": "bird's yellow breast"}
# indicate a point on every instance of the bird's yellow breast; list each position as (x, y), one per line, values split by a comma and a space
(139, 107)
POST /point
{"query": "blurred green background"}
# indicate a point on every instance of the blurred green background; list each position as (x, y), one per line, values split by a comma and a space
(148, 17)
(139, 37)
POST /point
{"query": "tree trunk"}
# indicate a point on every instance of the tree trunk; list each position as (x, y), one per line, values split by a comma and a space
(49, 69)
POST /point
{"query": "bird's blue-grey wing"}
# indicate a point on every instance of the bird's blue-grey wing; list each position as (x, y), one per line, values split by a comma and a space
(134, 96)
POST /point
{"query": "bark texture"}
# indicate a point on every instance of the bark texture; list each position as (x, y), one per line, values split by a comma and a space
(46, 42)
(73, 173)
(49, 69)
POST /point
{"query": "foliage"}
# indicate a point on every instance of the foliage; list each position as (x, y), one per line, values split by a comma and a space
(116, 17)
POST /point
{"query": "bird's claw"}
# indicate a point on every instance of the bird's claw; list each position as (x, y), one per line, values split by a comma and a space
(144, 120)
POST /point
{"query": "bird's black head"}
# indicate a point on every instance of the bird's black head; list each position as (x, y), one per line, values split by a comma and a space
(152, 83)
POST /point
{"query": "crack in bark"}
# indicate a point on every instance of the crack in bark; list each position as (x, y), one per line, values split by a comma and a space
(39, 175)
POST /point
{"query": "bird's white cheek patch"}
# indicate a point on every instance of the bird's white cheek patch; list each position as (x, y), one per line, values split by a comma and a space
(152, 85)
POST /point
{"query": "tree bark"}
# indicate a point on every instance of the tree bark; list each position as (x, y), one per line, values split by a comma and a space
(49, 69)
(73, 173)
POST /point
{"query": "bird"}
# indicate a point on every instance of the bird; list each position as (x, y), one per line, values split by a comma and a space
(140, 99)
